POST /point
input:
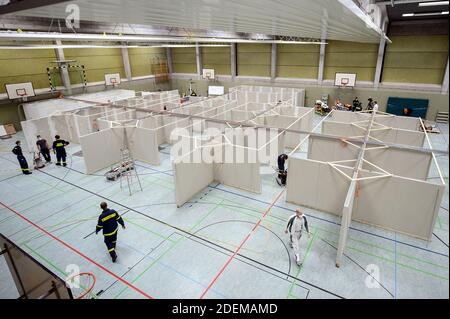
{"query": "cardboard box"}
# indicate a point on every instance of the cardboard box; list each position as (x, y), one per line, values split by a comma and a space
(10, 129)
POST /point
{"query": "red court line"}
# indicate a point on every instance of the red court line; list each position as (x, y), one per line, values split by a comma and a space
(78, 252)
(241, 244)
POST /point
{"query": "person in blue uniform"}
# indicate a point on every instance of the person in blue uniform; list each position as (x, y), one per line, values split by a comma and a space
(17, 150)
(60, 150)
(109, 221)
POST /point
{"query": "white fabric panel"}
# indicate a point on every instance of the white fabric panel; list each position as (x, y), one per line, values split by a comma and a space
(102, 149)
(244, 174)
(397, 136)
(399, 204)
(84, 125)
(347, 117)
(61, 126)
(74, 131)
(143, 144)
(172, 122)
(341, 129)
(316, 185)
(400, 122)
(103, 124)
(191, 178)
(401, 162)
(329, 150)
(154, 123)
(32, 128)
(391, 135)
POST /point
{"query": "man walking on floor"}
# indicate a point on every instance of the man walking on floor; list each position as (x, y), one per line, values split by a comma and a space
(17, 150)
(43, 148)
(109, 221)
(296, 224)
(60, 150)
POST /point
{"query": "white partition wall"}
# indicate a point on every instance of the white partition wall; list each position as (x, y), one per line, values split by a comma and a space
(32, 128)
(242, 171)
(382, 134)
(401, 204)
(102, 149)
(316, 185)
(186, 172)
(143, 144)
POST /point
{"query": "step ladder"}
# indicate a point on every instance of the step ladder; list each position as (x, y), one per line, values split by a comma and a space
(442, 117)
(128, 162)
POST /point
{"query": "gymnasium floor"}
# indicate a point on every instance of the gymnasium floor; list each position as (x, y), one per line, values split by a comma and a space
(188, 252)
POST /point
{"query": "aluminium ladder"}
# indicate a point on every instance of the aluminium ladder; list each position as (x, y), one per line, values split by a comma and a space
(130, 168)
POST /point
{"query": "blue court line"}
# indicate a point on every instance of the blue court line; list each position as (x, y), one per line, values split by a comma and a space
(315, 217)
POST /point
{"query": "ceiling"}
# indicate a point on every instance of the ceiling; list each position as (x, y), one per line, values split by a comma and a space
(342, 19)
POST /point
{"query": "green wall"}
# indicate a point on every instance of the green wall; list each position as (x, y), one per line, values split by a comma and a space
(217, 58)
(183, 60)
(97, 62)
(298, 61)
(416, 59)
(254, 59)
(141, 60)
(351, 57)
(18, 66)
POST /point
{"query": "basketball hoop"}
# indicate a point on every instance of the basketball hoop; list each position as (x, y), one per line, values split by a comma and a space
(21, 92)
(113, 81)
(81, 284)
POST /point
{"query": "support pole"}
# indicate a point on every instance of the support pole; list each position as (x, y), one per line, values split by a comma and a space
(198, 58)
(233, 61)
(273, 64)
(322, 56)
(380, 59)
(169, 61)
(126, 63)
(64, 72)
(444, 89)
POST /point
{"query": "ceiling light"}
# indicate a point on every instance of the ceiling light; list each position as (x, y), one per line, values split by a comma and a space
(433, 3)
(424, 14)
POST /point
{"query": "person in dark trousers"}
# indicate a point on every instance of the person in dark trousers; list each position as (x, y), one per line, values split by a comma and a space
(297, 223)
(356, 105)
(370, 104)
(60, 150)
(109, 221)
(17, 150)
(43, 148)
(282, 173)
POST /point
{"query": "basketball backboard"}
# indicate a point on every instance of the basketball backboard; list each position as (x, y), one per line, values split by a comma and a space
(19, 90)
(112, 79)
(208, 74)
(345, 79)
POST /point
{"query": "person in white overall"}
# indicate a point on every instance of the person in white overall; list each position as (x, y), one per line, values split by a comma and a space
(296, 224)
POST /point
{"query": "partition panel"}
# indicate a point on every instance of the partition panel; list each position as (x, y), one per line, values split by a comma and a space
(143, 144)
(32, 128)
(184, 173)
(102, 149)
(316, 185)
(399, 204)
